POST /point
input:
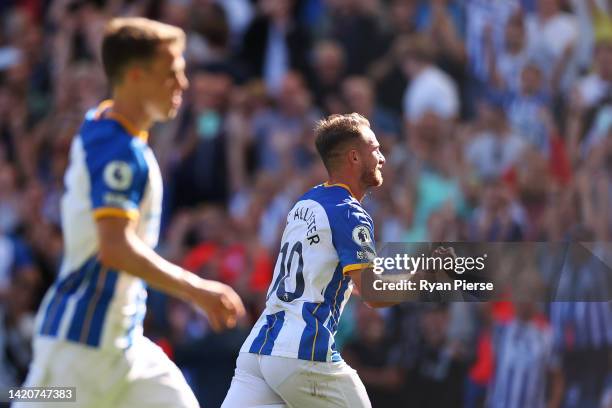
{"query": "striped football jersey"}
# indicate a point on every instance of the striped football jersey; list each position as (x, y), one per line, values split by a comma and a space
(112, 172)
(328, 234)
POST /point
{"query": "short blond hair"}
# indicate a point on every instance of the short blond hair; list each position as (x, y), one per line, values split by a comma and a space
(334, 133)
(134, 39)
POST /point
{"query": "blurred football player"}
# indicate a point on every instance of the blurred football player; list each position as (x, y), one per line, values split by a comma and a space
(89, 332)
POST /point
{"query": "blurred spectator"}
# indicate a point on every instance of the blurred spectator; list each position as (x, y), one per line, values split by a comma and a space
(387, 73)
(279, 131)
(439, 374)
(17, 311)
(359, 96)
(498, 218)
(528, 112)
(356, 26)
(581, 320)
(201, 175)
(375, 358)
(553, 37)
(328, 70)
(506, 65)
(275, 43)
(209, 42)
(481, 370)
(598, 84)
(442, 21)
(485, 23)
(525, 366)
(494, 147)
(430, 90)
(433, 171)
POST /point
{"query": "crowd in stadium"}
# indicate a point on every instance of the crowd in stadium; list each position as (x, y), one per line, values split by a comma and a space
(496, 121)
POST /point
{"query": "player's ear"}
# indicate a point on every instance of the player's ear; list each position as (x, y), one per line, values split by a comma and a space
(354, 156)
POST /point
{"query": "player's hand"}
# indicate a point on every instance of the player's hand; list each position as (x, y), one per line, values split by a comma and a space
(444, 252)
(220, 302)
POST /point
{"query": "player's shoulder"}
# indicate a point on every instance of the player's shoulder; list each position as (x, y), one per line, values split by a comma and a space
(105, 140)
(338, 202)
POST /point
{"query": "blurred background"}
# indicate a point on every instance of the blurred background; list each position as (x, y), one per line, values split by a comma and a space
(495, 117)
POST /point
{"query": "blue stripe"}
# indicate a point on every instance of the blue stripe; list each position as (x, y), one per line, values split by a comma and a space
(345, 283)
(521, 397)
(99, 315)
(508, 387)
(64, 289)
(332, 291)
(259, 340)
(277, 320)
(264, 342)
(80, 312)
(314, 342)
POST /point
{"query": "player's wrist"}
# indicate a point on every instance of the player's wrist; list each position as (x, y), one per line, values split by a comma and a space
(191, 287)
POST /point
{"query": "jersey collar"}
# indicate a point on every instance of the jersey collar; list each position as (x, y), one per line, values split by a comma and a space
(326, 184)
(122, 120)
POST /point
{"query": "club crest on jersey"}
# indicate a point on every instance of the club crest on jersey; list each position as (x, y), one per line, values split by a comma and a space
(118, 175)
(361, 235)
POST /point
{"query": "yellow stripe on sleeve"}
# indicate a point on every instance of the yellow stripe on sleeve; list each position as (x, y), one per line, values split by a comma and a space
(354, 267)
(115, 212)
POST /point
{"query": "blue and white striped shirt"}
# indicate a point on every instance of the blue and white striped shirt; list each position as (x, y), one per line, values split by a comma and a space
(112, 172)
(328, 234)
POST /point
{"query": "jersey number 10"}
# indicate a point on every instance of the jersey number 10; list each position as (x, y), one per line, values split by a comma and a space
(285, 271)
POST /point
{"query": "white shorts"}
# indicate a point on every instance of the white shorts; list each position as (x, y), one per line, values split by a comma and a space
(142, 376)
(270, 381)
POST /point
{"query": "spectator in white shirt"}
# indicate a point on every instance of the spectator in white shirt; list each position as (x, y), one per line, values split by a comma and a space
(495, 148)
(506, 65)
(595, 86)
(430, 89)
(553, 38)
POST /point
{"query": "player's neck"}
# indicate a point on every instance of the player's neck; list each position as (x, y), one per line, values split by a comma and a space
(131, 110)
(356, 189)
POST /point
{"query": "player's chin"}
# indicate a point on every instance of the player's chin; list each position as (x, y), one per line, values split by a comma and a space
(168, 114)
(379, 180)
(374, 179)
(378, 177)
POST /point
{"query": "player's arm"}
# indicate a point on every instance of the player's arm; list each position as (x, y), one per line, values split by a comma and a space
(356, 278)
(122, 249)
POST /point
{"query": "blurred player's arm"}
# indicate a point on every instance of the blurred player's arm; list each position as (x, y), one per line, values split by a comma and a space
(356, 278)
(122, 249)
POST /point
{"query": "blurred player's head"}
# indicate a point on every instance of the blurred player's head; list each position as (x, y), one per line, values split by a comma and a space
(349, 148)
(143, 59)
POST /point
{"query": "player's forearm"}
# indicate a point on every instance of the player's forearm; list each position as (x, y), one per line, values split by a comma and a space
(133, 256)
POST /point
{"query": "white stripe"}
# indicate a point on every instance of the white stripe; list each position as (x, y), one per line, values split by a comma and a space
(72, 303)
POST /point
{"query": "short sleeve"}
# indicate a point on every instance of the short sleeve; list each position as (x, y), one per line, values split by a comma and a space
(353, 236)
(118, 179)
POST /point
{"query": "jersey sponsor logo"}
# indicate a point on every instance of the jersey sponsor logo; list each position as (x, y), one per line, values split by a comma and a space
(113, 199)
(118, 175)
(361, 235)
